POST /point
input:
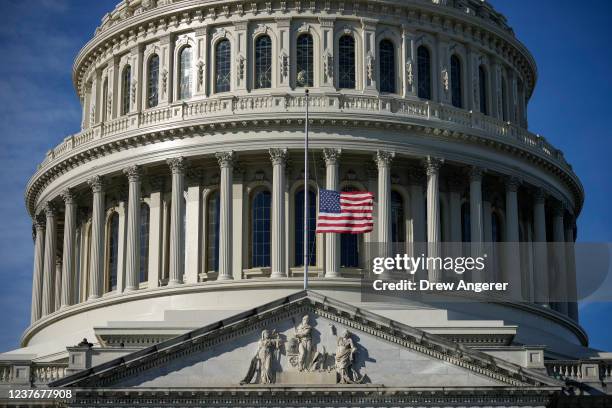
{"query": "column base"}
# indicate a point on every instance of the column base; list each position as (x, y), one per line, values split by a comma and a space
(93, 297)
(174, 282)
(277, 275)
(329, 275)
(225, 278)
(130, 289)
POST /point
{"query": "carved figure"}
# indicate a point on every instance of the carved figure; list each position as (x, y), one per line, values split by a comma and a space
(303, 333)
(345, 351)
(263, 359)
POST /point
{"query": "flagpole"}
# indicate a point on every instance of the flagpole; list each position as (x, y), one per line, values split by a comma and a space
(306, 246)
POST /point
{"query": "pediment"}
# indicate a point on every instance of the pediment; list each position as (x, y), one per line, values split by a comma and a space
(306, 339)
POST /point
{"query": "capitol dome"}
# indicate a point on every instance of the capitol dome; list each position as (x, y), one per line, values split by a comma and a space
(179, 203)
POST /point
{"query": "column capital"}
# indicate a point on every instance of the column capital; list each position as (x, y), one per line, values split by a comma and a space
(278, 156)
(39, 224)
(512, 184)
(539, 196)
(383, 158)
(58, 262)
(68, 196)
(432, 165)
(331, 156)
(96, 183)
(177, 164)
(475, 173)
(133, 173)
(226, 159)
(49, 209)
(558, 208)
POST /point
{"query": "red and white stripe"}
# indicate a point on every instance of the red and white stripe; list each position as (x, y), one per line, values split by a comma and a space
(355, 216)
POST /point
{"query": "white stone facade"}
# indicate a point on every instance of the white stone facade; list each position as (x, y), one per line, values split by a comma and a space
(148, 212)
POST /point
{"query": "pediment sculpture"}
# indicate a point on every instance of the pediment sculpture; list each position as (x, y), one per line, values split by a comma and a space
(299, 359)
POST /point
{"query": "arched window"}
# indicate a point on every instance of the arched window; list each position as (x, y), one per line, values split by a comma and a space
(466, 232)
(504, 99)
(386, 56)
(260, 230)
(104, 108)
(346, 62)
(263, 62)
(424, 72)
(153, 81)
(113, 252)
(304, 61)
(455, 79)
(299, 227)
(482, 86)
(349, 245)
(126, 84)
(223, 66)
(144, 242)
(212, 232)
(398, 223)
(185, 73)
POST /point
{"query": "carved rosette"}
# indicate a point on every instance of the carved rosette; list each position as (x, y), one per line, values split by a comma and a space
(133, 173)
(331, 156)
(432, 165)
(177, 165)
(226, 159)
(383, 158)
(278, 156)
(96, 183)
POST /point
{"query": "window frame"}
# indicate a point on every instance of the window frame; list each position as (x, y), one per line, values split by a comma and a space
(215, 83)
(354, 62)
(421, 71)
(392, 65)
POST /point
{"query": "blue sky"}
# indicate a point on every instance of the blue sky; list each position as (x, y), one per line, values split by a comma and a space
(40, 38)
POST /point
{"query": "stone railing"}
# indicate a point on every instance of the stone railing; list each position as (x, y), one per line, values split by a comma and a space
(28, 373)
(580, 370)
(219, 108)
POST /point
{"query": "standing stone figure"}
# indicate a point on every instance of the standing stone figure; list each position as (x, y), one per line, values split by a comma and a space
(262, 361)
(345, 351)
(303, 332)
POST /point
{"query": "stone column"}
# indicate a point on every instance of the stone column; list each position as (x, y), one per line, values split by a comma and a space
(226, 163)
(559, 280)
(155, 231)
(68, 261)
(383, 162)
(432, 168)
(132, 255)
(48, 301)
(177, 211)
(417, 206)
(476, 221)
(512, 258)
(279, 159)
(37, 275)
(96, 266)
(57, 286)
(570, 256)
(541, 253)
(193, 226)
(332, 241)
(455, 188)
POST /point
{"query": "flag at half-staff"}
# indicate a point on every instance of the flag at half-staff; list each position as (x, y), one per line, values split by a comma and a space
(347, 212)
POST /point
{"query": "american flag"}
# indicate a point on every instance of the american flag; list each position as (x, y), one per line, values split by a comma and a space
(345, 212)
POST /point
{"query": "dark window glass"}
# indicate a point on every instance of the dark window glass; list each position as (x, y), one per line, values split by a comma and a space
(424, 72)
(263, 62)
(346, 62)
(261, 229)
(482, 86)
(185, 73)
(386, 55)
(456, 91)
(466, 232)
(223, 66)
(398, 224)
(496, 228)
(126, 84)
(144, 242)
(304, 61)
(299, 228)
(349, 246)
(153, 81)
(113, 252)
(212, 233)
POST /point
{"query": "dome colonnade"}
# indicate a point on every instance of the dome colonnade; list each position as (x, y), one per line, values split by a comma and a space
(183, 172)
